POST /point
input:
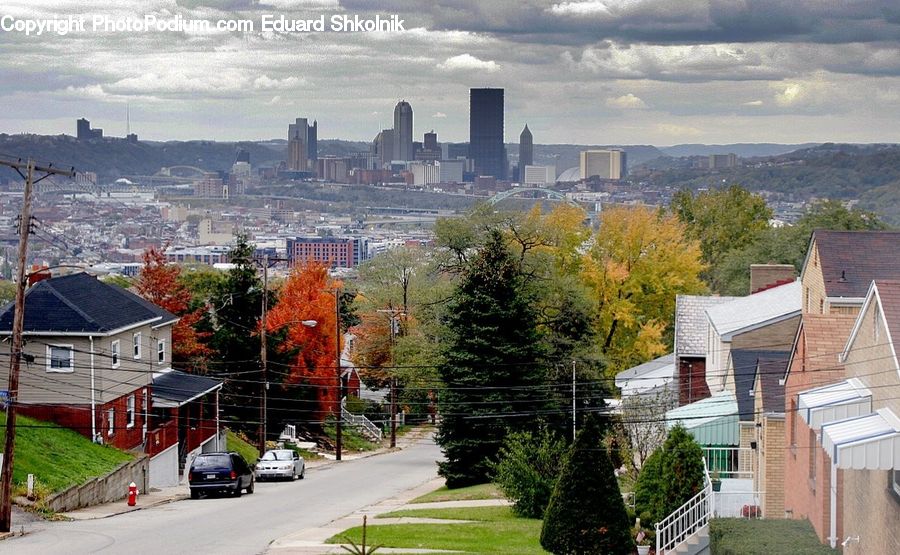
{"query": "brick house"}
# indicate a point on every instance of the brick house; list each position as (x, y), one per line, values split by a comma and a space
(840, 265)
(866, 448)
(813, 366)
(768, 419)
(92, 354)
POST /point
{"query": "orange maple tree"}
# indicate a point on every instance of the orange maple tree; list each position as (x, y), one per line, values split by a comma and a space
(306, 295)
(159, 284)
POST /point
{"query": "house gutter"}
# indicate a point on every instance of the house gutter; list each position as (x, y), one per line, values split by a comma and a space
(833, 506)
(93, 395)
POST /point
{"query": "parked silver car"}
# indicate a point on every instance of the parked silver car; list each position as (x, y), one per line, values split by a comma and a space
(280, 463)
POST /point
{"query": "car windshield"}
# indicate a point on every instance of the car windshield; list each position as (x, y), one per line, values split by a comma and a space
(212, 461)
(278, 456)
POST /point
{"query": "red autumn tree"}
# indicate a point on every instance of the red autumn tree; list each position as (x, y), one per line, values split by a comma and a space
(307, 295)
(159, 284)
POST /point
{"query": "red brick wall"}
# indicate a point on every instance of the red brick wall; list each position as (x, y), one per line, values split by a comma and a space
(692, 380)
(78, 418)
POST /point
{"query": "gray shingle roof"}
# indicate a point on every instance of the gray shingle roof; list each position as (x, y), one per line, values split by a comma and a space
(748, 313)
(80, 303)
(745, 363)
(179, 387)
(852, 259)
(692, 324)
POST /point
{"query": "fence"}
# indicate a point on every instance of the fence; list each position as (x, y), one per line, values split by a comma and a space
(687, 519)
(739, 504)
(361, 423)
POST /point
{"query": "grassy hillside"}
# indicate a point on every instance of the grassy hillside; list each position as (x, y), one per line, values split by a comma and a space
(243, 447)
(58, 457)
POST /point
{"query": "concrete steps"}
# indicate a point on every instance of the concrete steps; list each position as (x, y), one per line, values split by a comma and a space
(696, 544)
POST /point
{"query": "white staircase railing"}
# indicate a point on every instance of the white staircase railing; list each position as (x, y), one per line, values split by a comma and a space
(686, 520)
(360, 422)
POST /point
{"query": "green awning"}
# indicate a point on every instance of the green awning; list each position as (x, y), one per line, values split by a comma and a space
(712, 421)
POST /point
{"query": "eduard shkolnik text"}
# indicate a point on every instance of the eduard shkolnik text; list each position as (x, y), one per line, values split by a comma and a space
(339, 23)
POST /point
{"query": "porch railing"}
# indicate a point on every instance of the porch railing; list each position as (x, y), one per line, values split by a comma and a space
(161, 438)
(360, 422)
(686, 520)
(740, 504)
(730, 462)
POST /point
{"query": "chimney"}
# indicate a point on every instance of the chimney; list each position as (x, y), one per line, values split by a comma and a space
(767, 276)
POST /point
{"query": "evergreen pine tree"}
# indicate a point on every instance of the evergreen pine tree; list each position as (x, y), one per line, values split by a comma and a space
(586, 514)
(490, 369)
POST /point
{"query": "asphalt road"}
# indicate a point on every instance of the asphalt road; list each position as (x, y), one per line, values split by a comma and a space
(240, 525)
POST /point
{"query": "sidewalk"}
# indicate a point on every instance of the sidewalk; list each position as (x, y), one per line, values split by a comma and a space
(181, 492)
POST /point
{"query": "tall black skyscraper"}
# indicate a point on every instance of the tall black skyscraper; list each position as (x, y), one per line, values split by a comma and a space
(486, 132)
(526, 150)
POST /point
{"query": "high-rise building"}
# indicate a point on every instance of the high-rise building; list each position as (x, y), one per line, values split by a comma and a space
(538, 175)
(717, 161)
(298, 151)
(312, 147)
(605, 164)
(383, 148)
(430, 150)
(486, 146)
(526, 150)
(403, 131)
(84, 129)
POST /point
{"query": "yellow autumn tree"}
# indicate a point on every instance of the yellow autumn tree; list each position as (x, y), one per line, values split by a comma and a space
(639, 260)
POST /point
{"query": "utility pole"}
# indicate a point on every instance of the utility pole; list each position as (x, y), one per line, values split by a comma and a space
(18, 325)
(393, 411)
(573, 400)
(337, 353)
(392, 314)
(263, 360)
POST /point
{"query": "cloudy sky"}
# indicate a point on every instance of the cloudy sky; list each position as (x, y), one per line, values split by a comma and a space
(581, 71)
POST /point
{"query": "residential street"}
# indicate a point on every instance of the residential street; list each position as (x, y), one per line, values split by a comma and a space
(244, 525)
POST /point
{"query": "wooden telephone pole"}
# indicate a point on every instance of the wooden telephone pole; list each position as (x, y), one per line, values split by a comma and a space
(18, 324)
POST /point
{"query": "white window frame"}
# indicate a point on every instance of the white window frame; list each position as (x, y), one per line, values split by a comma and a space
(895, 481)
(136, 345)
(111, 421)
(161, 351)
(115, 351)
(62, 369)
(130, 411)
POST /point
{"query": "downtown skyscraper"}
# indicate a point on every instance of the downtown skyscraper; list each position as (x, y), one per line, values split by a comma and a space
(403, 131)
(486, 146)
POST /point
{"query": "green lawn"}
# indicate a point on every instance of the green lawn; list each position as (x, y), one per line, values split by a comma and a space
(351, 440)
(738, 536)
(481, 491)
(57, 457)
(496, 530)
(235, 442)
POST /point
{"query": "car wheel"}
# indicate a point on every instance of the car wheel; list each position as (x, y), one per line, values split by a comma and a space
(250, 487)
(195, 494)
(302, 472)
(237, 489)
(293, 475)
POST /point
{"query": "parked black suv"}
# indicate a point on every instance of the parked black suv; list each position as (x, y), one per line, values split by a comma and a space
(225, 472)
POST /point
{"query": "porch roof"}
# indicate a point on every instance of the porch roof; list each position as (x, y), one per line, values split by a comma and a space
(870, 442)
(835, 401)
(175, 388)
(712, 421)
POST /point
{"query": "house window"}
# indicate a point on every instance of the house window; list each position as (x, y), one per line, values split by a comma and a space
(60, 358)
(161, 351)
(129, 411)
(110, 421)
(821, 306)
(115, 351)
(895, 481)
(136, 343)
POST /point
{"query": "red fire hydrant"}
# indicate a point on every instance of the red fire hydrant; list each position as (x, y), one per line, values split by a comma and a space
(132, 494)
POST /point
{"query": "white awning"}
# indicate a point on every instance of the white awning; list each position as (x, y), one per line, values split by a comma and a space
(832, 402)
(870, 442)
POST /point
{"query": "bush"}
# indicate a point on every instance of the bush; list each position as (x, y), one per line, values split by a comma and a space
(527, 471)
(671, 476)
(586, 514)
(649, 501)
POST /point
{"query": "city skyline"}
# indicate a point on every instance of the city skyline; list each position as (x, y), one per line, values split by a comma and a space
(586, 72)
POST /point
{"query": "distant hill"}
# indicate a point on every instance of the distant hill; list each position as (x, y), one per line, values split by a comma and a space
(744, 150)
